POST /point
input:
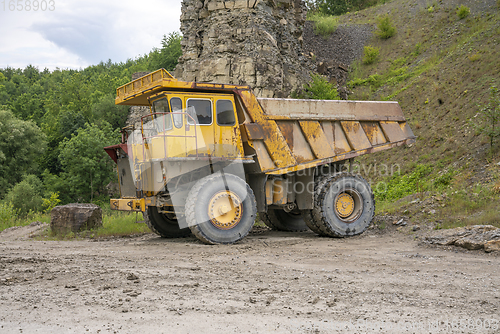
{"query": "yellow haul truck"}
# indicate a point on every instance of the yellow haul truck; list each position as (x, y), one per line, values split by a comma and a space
(210, 156)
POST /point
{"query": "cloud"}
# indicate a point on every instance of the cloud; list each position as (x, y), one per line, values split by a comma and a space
(79, 33)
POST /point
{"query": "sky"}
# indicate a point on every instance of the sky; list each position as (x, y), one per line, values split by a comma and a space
(79, 33)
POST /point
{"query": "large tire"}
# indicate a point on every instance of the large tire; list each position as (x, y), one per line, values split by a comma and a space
(162, 225)
(344, 206)
(307, 215)
(280, 220)
(221, 209)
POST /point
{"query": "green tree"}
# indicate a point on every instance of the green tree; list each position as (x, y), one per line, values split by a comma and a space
(168, 56)
(26, 196)
(87, 169)
(489, 116)
(21, 145)
(106, 110)
(385, 28)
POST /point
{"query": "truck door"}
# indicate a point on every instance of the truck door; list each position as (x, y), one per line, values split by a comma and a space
(226, 130)
(201, 112)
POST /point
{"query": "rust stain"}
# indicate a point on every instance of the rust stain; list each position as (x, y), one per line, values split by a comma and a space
(373, 132)
(317, 139)
(355, 135)
(286, 128)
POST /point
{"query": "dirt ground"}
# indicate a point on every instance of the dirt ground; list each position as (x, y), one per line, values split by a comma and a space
(270, 282)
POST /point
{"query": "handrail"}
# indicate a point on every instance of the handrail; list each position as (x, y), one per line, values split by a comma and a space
(138, 84)
(165, 135)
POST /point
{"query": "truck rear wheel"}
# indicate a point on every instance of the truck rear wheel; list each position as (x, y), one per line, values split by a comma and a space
(344, 206)
(280, 220)
(220, 209)
(319, 184)
(163, 225)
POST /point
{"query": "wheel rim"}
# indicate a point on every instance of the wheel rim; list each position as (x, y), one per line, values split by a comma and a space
(348, 205)
(225, 210)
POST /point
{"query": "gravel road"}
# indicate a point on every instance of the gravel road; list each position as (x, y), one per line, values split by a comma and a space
(270, 282)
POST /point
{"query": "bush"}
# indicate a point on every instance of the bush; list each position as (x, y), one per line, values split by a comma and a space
(51, 202)
(319, 88)
(8, 215)
(324, 25)
(385, 28)
(371, 55)
(26, 196)
(463, 12)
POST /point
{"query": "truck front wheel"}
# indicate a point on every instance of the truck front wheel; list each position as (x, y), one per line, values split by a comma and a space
(220, 209)
(344, 206)
(163, 225)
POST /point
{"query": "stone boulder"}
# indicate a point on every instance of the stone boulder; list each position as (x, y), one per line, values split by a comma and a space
(75, 217)
(474, 237)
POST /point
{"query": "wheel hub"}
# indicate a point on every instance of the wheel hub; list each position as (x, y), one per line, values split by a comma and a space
(225, 210)
(344, 205)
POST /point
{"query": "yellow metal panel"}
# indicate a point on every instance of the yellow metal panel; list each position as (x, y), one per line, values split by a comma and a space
(128, 204)
(317, 139)
(374, 133)
(273, 139)
(392, 131)
(265, 161)
(355, 135)
(280, 191)
(340, 140)
(296, 141)
(227, 138)
(406, 130)
(254, 131)
(340, 157)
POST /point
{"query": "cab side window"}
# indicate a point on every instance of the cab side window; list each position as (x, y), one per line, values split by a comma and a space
(176, 106)
(200, 110)
(225, 113)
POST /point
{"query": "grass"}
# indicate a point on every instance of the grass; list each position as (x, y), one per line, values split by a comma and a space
(475, 206)
(371, 54)
(324, 25)
(450, 194)
(9, 217)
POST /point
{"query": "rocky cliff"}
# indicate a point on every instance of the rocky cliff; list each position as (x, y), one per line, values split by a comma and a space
(249, 42)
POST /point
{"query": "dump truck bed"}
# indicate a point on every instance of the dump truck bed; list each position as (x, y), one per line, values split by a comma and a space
(319, 131)
(288, 135)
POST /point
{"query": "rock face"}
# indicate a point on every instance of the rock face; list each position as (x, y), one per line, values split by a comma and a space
(75, 217)
(248, 42)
